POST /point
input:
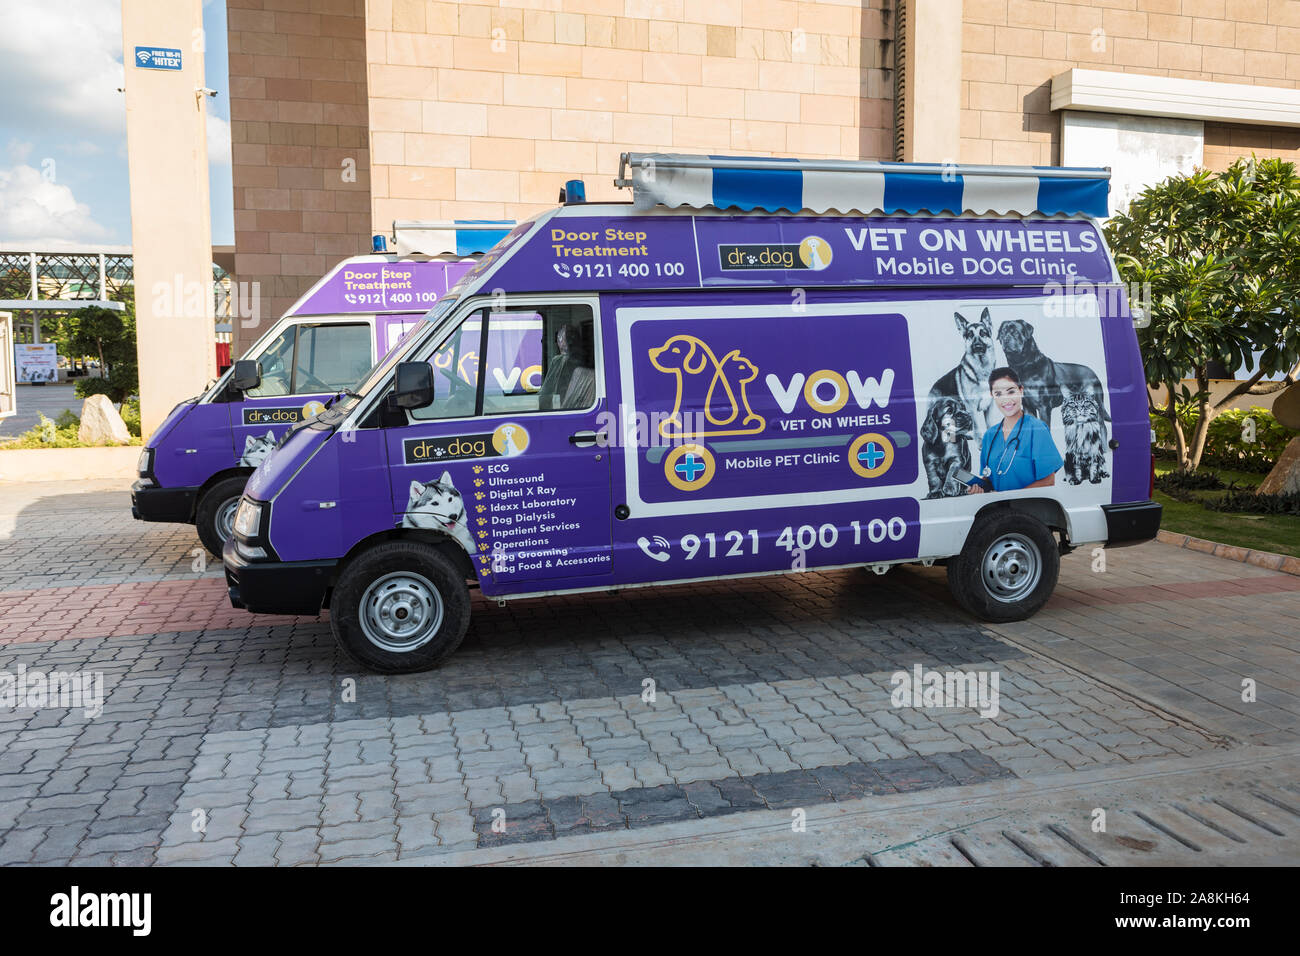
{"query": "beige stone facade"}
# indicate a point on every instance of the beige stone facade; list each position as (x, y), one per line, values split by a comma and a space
(299, 125)
(483, 108)
(1011, 50)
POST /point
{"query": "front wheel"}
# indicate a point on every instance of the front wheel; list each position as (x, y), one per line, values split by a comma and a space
(1007, 569)
(399, 608)
(214, 518)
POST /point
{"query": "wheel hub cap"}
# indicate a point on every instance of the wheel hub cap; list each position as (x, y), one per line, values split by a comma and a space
(1012, 568)
(226, 518)
(401, 611)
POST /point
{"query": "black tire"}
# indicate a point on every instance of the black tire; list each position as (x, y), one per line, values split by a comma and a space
(993, 578)
(215, 509)
(406, 576)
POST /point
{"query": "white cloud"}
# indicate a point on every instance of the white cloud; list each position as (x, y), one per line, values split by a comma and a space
(38, 213)
(60, 65)
(218, 140)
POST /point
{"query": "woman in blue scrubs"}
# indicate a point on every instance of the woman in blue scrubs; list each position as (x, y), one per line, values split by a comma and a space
(1020, 452)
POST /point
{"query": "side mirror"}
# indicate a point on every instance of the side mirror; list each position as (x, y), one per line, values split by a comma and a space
(247, 375)
(413, 385)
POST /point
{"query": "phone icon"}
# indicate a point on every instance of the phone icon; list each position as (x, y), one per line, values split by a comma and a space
(644, 545)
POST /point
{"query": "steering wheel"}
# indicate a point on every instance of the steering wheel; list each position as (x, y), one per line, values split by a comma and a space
(312, 382)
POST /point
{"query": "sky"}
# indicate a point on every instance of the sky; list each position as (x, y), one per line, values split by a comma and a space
(63, 170)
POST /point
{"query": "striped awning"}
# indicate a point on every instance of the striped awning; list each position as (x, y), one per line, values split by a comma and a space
(868, 188)
(462, 237)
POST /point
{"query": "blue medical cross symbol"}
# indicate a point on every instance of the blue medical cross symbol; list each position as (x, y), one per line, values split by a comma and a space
(871, 455)
(689, 467)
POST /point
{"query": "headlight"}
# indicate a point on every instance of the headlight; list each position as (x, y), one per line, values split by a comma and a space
(248, 519)
(143, 466)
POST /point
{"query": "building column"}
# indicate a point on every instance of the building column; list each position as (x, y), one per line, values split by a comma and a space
(932, 81)
(171, 233)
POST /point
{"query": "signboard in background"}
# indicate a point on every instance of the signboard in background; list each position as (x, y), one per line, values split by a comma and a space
(36, 364)
(158, 57)
(8, 405)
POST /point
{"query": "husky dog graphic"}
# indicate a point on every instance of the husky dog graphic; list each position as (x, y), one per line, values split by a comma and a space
(256, 448)
(438, 506)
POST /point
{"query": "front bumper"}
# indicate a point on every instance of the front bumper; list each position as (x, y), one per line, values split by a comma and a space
(276, 587)
(1131, 522)
(151, 503)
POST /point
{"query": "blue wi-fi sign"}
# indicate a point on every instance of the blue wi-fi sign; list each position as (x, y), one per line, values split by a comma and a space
(157, 58)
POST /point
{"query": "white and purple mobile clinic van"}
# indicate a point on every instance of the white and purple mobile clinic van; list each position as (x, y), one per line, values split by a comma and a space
(756, 367)
(194, 466)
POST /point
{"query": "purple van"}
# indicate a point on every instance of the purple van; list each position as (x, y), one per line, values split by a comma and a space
(195, 464)
(755, 367)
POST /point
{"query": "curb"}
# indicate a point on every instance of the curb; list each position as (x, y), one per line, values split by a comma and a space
(61, 464)
(1261, 559)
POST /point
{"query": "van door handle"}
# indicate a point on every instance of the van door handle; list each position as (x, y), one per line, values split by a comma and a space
(585, 439)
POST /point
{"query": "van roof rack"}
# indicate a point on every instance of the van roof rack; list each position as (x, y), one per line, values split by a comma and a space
(860, 186)
(435, 237)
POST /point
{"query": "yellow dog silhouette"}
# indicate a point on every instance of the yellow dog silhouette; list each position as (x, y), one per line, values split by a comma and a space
(686, 355)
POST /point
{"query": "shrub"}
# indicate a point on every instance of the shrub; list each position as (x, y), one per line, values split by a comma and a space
(47, 434)
(1175, 481)
(1246, 500)
(131, 415)
(1225, 444)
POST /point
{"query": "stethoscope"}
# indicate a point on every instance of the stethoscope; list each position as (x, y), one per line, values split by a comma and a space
(1013, 446)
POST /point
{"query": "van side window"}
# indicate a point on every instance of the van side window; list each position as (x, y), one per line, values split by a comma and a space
(534, 359)
(314, 359)
(555, 343)
(277, 366)
(455, 372)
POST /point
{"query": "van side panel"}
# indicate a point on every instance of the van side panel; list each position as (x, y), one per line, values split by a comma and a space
(756, 435)
(197, 448)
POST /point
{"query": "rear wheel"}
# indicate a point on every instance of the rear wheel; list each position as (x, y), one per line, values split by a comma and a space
(1008, 568)
(400, 607)
(215, 515)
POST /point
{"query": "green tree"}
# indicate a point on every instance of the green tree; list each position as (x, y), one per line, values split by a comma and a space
(109, 336)
(1220, 254)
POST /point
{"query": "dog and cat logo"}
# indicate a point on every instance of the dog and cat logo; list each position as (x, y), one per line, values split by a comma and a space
(813, 253)
(506, 441)
(724, 398)
(962, 409)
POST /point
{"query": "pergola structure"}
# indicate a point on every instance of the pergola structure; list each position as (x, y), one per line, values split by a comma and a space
(32, 281)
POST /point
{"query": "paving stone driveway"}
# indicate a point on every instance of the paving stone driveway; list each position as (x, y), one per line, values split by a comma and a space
(231, 738)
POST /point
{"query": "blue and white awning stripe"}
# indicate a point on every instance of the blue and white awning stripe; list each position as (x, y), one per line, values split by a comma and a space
(866, 188)
(461, 237)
